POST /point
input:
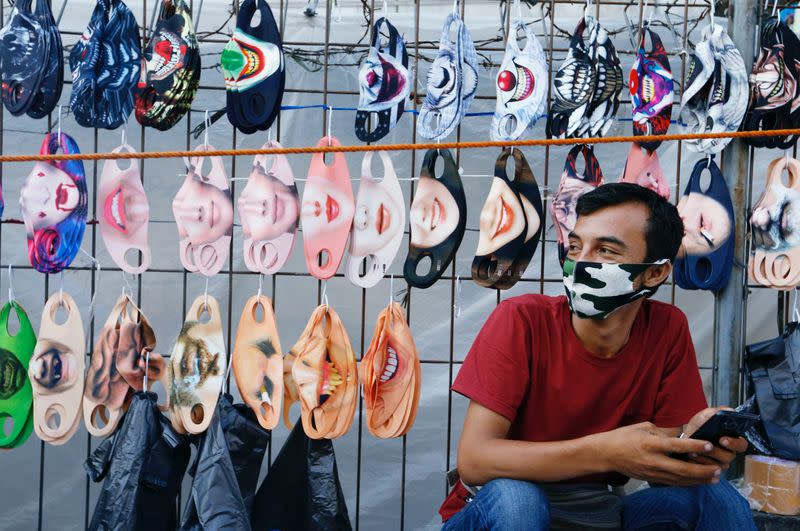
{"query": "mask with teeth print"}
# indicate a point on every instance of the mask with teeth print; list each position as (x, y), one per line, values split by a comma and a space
(651, 89)
(390, 372)
(124, 214)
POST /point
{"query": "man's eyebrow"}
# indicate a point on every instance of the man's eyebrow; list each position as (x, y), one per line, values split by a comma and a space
(573, 235)
(613, 240)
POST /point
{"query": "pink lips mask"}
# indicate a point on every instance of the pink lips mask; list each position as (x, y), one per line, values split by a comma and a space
(204, 214)
(377, 224)
(327, 212)
(124, 213)
(644, 169)
(269, 209)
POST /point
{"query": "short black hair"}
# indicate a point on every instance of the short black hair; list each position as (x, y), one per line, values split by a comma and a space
(664, 230)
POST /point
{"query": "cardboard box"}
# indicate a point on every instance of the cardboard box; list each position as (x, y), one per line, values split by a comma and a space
(772, 485)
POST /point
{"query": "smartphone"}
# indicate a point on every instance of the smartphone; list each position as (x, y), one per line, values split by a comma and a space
(725, 423)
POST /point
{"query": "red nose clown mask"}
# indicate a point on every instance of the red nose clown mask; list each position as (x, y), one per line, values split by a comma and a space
(269, 209)
(327, 212)
(377, 225)
(204, 214)
(125, 213)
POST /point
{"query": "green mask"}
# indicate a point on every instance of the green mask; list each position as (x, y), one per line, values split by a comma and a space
(16, 394)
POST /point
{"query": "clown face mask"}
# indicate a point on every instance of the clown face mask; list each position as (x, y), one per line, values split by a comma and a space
(651, 89)
(16, 394)
(644, 169)
(391, 376)
(706, 256)
(204, 214)
(54, 204)
(56, 372)
(521, 86)
(269, 209)
(378, 224)
(327, 212)
(570, 189)
(125, 213)
(384, 84)
(438, 219)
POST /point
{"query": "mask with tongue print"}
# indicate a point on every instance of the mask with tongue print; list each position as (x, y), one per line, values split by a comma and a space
(125, 213)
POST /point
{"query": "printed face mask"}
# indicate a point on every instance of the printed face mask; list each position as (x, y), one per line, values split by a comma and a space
(651, 89)
(170, 70)
(327, 212)
(258, 362)
(54, 204)
(706, 256)
(253, 67)
(204, 214)
(595, 290)
(16, 394)
(197, 367)
(56, 372)
(644, 169)
(46, 97)
(521, 86)
(452, 82)
(391, 376)
(608, 82)
(105, 64)
(384, 84)
(438, 219)
(269, 208)
(378, 224)
(570, 189)
(323, 376)
(125, 213)
(573, 87)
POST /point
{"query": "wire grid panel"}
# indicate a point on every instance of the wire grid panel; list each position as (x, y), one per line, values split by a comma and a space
(387, 484)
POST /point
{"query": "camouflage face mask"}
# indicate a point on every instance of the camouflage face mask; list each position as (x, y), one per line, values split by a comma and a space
(594, 290)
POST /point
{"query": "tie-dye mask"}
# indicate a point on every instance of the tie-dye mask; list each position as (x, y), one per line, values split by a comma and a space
(378, 224)
(204, 214)
(570, 189)
(54, 204)
(651, 89)
(320, 371)
(390, 373)
(705, 260)
(384, 84)
(125, 213)
(521, 86)
(16, 394)
(438, 218)
(452, 82)
(269, 209)
(327, 212)
(644, 169)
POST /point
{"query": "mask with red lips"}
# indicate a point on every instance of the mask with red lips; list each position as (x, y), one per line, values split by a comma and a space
(125, 213)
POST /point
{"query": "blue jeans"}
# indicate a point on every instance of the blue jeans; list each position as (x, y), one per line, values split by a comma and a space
(507, 504)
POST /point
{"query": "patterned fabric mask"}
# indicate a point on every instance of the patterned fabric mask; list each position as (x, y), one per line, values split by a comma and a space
(16, 394)
(643, 168)
(595, 290)
(651, 90)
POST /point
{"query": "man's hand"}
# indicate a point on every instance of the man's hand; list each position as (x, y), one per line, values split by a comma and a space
(721, 454)
(641, 451)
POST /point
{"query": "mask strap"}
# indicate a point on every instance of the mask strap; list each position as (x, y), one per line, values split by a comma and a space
(457, 302)
(124, 134)
(324, 297)
(795, 311)
(385, 8)
(207, 124)
(205, 296)
(58, 137)
(11, 294)
(330, 124)
(455, 7)
(96, 264)
(146, 369)
(61, 289)
(269, 135)
(260, 284)
(518, 5)
(129, 291)
(711, 14)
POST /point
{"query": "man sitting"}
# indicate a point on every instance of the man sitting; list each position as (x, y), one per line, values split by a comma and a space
(571, 396)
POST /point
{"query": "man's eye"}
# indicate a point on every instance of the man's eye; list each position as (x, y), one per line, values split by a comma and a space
(606, 250)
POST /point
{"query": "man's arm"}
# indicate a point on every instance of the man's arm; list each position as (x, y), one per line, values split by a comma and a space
(638, 451)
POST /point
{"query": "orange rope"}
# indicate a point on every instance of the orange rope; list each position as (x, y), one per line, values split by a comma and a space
(393, 147)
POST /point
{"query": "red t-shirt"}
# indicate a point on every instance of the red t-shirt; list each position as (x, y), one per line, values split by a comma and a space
(528, 365)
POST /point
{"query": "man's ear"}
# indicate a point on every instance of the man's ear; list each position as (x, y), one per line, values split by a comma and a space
(655, 275)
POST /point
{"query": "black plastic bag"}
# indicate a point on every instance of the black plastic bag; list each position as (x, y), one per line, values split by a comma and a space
(773, 368)
(226, 471)
(142, 464)
(302, 490)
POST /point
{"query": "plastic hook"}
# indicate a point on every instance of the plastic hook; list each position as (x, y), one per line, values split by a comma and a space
(330, 124)
(11, 294)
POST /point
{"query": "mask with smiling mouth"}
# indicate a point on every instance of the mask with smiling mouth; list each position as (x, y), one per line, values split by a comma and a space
(125, 213)
(437, 222)
(384, 84)
(204, 214)
(643, 168)
(708, 225)
(327, 212)
(775, 225)
(56, 372)
(521, 86)
(451, 84)
(260, 206)
(651, 89)
(390, 373)
(378, 224)
(16, 394)
(320, 371)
